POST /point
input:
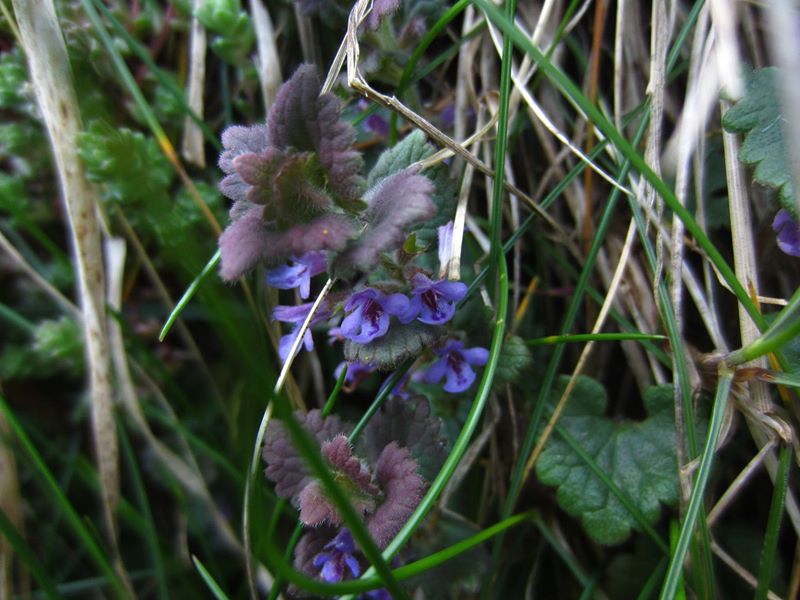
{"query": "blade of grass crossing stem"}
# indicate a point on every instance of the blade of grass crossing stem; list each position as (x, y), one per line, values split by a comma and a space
(210, 582)
(27, 556)
(408, 571)
(144, 55)
(188, 295)
(62, 502)
(357, 527)
(698, 490)
(149, 528)
(330, 403)
(627, 149)
(765, 569)
(629, 505)
(148, 114)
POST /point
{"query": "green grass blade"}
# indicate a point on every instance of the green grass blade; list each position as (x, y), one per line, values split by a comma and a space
(628, 150)
(675, 570)
(213, 586)
(149, 527)
(144, 55)
(310, 452)
(765, 569)
(188, 295)
(61, 502)
(27, 556)
(552, 340)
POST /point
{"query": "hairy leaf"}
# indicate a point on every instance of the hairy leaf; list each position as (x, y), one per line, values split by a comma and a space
(380, 8)
(410, 424)
(400, 343)
(238, 141)
(303, 119)
(396, 473)
(250, 240)
(639, 457)
(413, 148)
(316, 508)
(285, 466)
(760, 117)
(515, 359)
(395, 204)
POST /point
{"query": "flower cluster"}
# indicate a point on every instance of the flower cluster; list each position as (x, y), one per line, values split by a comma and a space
(301, 208)
(383, 481)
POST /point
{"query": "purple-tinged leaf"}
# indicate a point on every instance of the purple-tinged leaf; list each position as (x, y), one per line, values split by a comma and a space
(380, 8)
(396, 473)
(249, 240)
(316, 508)
(236, 141)
(410, 424)
(243, 242)
(285, 466)
(397, 202)
(303, 119)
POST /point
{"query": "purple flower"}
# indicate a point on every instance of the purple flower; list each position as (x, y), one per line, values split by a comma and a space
(369, 314)
(455, 363)
(337, 555)
(377, 125)
(297, 315)
(299, 273)
(788, 232)
(432, 302)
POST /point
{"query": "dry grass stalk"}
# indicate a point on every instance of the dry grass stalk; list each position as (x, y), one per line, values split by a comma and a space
(269, 66)
(192, 145)
(51, 77)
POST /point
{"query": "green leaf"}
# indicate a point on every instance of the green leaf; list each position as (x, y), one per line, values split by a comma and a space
(759, 116)
(130, 163)
(14, 82)
(413, 148)
(220, 16)
(57, 346)
(13, 197)
(515, 359)
(400, 343)
(637, 457)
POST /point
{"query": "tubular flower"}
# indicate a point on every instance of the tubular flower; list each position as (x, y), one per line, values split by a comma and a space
(455, 364)
(369, 314)
(433, 302)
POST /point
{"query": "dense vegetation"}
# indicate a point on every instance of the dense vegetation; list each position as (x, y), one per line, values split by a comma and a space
(405, 298)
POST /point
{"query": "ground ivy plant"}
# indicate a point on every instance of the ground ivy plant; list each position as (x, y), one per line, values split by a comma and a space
(302, 208)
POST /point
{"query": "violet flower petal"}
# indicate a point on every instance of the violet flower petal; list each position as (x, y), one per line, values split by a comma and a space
(788, 232)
